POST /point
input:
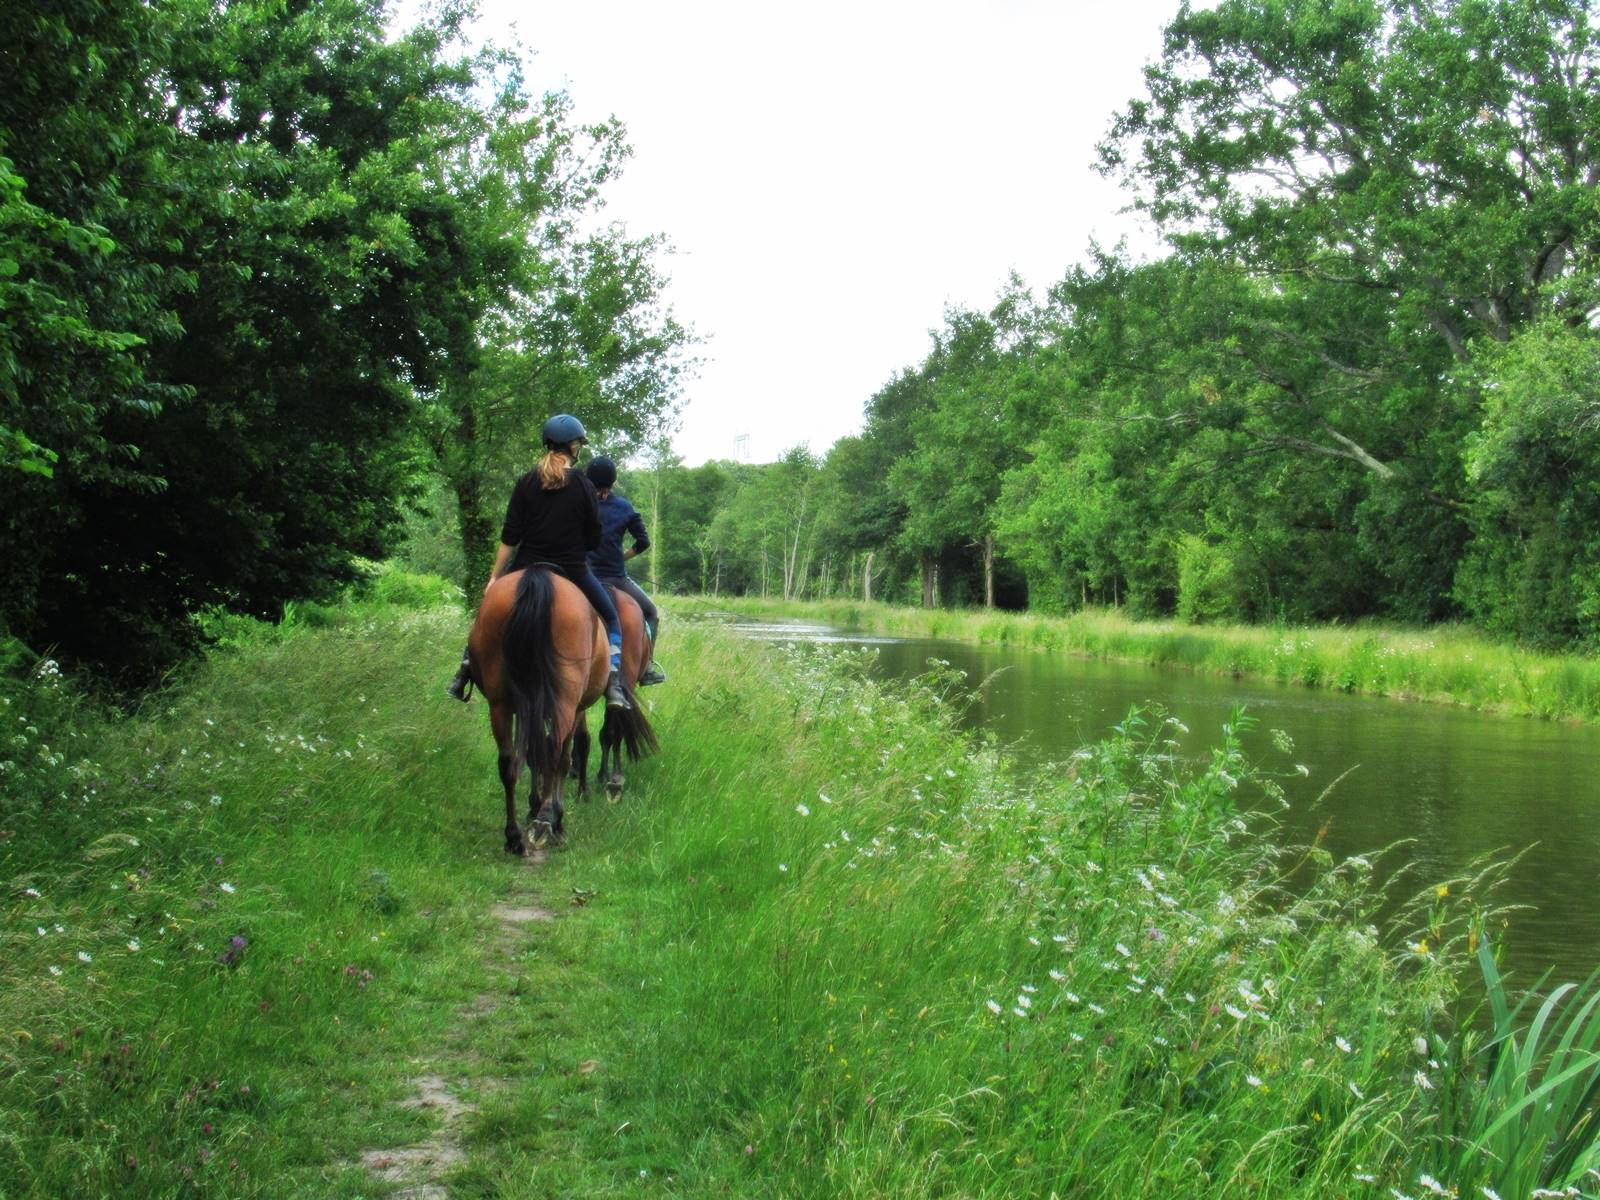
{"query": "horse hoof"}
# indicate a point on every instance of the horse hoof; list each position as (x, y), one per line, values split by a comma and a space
(614, 787)
(542, 833)
(515, 846)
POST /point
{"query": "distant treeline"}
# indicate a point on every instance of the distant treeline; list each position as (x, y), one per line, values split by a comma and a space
(1364, 383)
(267, 269)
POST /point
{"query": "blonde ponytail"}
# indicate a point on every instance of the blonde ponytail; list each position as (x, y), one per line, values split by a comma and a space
(553, 470)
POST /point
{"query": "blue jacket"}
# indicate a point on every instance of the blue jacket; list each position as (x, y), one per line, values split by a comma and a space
(617, 517)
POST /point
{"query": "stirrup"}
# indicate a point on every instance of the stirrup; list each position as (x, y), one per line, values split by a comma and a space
(652, 674)
(460, 688)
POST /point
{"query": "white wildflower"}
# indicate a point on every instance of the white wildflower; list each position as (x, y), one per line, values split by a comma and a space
(1253, 1080)
(227, 887)
(133, 944)
(1422, 1081)
(1124, 951)
(84, 956)
(1342, 1044)
(993, 1006)
(54, 970)
(783, 866)
(1432, 1184)
(802, 810)
(1024, 1000)
(1056, 975)
(1233, 1012)
(1420, 1045)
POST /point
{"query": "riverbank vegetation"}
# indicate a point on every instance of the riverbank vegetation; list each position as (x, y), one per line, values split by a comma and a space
(826, 942)
(1447, 664)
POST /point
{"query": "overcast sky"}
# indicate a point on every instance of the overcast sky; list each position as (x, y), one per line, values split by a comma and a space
(833, 175)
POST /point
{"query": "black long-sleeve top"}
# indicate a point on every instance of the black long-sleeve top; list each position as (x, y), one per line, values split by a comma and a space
(559, 527)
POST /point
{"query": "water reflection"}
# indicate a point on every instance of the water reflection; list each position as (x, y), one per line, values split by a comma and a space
(1461, 784)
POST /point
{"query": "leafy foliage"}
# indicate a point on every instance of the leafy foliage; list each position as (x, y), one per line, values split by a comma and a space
(252, 258)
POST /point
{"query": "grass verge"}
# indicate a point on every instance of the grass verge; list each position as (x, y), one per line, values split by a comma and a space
(825, 946)
(1445, 664)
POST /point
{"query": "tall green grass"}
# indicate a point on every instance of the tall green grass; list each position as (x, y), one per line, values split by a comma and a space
(1446, 664)
(214, 910)
(826, 945)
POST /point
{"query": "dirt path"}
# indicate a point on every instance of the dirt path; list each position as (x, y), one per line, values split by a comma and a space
(447, 1088)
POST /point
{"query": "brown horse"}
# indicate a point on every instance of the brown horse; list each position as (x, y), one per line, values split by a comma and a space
(539, 655)
(618, 731)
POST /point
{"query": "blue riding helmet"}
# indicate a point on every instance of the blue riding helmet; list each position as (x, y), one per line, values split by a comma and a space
(563, 429)
(602, 472)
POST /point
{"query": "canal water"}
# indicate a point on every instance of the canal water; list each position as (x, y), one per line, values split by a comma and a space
(1460, 784)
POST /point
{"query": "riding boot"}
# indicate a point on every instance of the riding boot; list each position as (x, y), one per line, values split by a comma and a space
(652, 674)
(460, 685)
(616, 697)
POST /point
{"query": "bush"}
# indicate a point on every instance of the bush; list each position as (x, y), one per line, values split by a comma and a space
(1213, 587)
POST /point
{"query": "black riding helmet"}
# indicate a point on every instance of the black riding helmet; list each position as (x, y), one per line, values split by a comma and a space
(602, 472)
(562, 430)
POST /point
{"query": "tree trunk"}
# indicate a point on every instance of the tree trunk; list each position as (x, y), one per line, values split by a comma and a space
(937, 599)
(866, 577)
(656, 544)
(477, 530)
(988, 571)
(927, 580)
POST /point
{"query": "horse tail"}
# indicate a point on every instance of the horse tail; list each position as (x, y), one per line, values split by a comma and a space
(629, 727)
(530, 656)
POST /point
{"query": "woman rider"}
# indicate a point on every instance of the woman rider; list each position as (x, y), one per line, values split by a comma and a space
(554, 520)
(608, 562)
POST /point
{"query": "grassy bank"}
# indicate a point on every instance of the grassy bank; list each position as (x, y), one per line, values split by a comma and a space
(825, 946)
(1444, 664)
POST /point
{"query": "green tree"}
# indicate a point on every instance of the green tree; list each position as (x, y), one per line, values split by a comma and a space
(1532, 570)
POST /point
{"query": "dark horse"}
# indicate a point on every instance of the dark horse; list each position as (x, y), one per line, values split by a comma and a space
(617, 732)
(540, 657)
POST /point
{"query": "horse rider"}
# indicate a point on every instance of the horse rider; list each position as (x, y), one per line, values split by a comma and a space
(553, 520)
(609, 561)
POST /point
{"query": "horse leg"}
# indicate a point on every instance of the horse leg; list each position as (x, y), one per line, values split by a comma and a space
(611, 742)
(500, 723)
(544, 805)
(580, 756)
